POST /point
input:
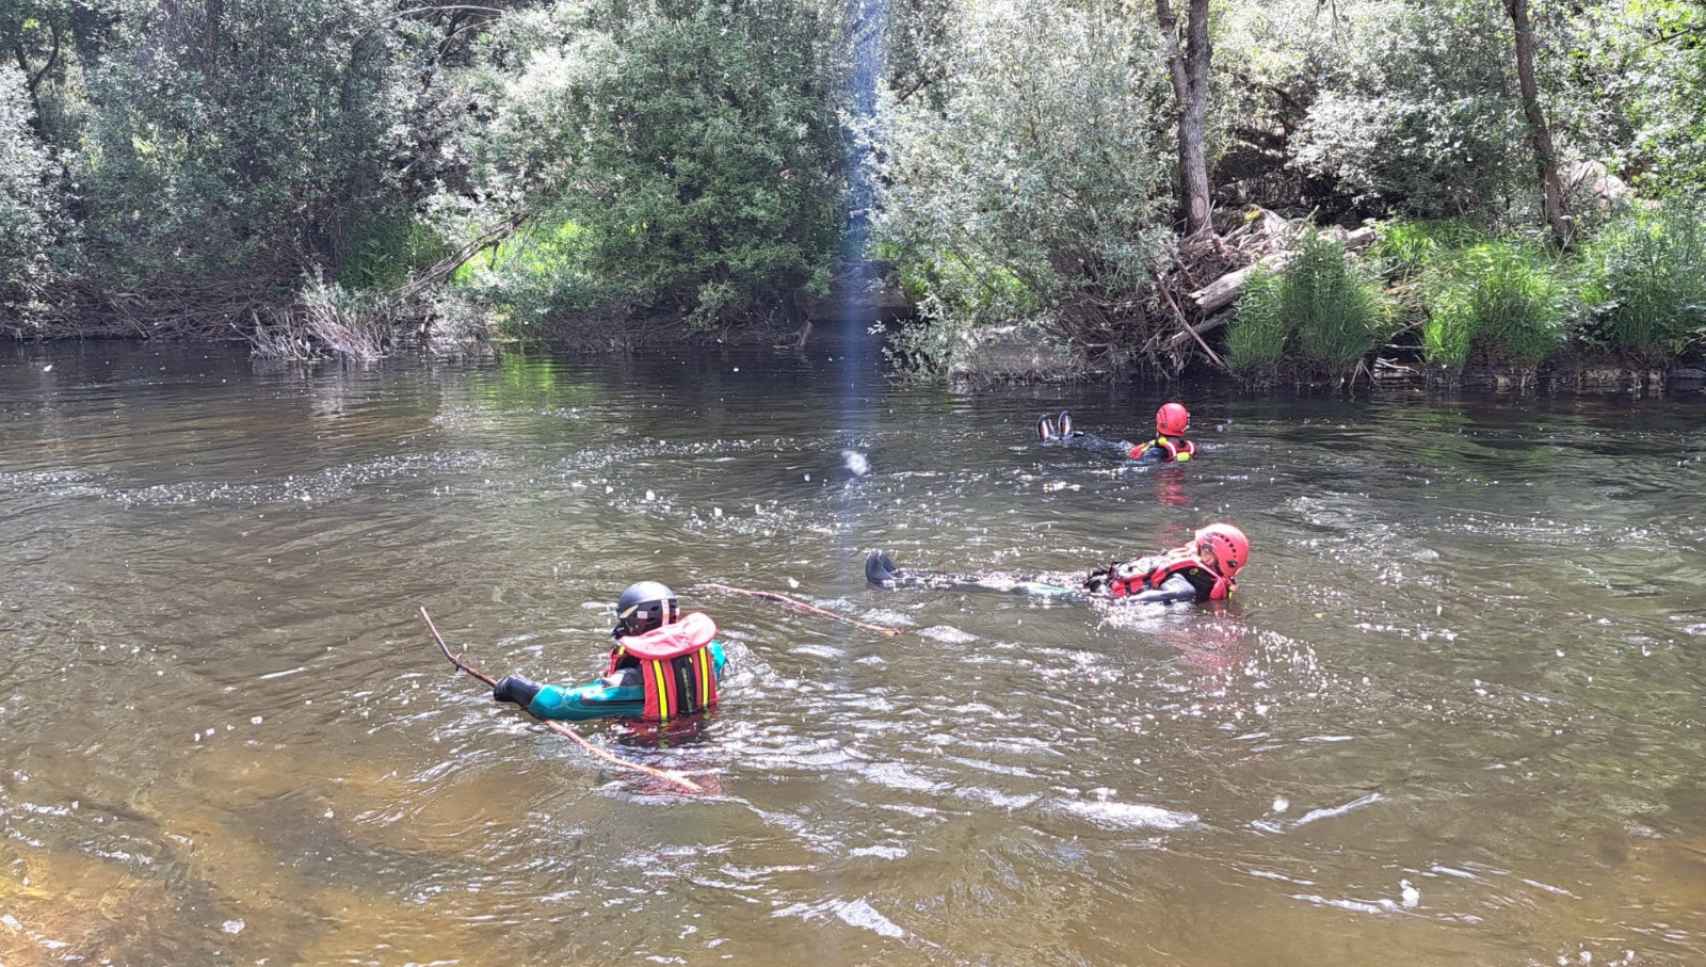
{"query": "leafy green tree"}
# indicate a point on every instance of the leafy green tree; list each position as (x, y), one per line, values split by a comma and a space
(694, 147)
(32, 221)
(1657, 70)
(229, 141)
(1423, 120)
(1041, 188)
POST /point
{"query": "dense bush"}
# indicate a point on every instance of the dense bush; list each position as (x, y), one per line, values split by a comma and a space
(1336, 309)
(31, 217)
(1405, 248)
(1647, 284)
(693, 146)
(1040, 190)
(235, 146)
(386, 247)
(1423, 119)
(1499, 303)
(1322, 311)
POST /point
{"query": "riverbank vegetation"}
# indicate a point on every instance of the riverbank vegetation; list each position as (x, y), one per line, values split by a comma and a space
(1169, 184)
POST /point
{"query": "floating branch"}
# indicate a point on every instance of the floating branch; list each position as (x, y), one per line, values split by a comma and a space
(803, 606)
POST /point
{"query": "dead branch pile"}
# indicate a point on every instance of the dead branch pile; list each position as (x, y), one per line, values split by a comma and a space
(1162, 324)
(1194, 295)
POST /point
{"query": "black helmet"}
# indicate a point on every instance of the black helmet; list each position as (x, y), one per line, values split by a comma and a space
(644, 606)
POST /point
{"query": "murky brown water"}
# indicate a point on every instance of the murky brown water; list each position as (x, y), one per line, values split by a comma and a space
(1454, 717)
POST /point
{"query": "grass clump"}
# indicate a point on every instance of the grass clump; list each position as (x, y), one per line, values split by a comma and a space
(1321, 311)
(1406, 248)
(1498, 303)
(1646, 281)
(1256, 338)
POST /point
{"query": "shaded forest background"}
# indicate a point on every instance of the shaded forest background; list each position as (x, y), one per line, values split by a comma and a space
(342, 175)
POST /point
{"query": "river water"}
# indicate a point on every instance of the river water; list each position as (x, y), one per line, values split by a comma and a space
(1454, 714)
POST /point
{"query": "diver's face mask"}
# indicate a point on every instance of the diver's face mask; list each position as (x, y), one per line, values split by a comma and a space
(644, 617)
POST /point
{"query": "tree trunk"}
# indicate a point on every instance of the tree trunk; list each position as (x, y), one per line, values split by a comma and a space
(1188, 66)
(33, 79)
(1545, 157)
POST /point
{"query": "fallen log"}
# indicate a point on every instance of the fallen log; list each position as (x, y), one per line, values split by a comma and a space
(1196, 332)
(1223, 291)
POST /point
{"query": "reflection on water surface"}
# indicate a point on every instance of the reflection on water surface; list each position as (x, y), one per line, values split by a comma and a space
(1454, 715)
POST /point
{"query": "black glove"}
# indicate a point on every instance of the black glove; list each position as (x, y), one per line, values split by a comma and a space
(514, 688)
(1097, 582)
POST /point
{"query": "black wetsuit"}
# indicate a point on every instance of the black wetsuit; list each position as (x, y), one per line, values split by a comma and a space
(1061, 434)
(1080, 440)
(1190, 585)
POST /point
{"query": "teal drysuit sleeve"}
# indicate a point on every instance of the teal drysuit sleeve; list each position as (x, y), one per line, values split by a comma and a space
(618, 695)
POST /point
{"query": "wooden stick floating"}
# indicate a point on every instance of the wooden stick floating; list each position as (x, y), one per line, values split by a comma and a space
(669, 776)
(803, 606)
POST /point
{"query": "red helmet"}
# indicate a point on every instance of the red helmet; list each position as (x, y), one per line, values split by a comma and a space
(1172, 419)
(1223, 548)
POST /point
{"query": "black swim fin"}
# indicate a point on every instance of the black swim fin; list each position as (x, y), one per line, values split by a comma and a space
(1064, 424)
(880, 569)
(1045, 430)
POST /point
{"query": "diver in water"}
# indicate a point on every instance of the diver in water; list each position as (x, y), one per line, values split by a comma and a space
(663, 667)
(1205, 569)
(1172, 422)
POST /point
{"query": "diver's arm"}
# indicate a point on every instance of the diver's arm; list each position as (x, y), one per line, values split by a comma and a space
(515, 688)
(1102, 581)
(619, 693)
(1147, 453)
(1173, 590)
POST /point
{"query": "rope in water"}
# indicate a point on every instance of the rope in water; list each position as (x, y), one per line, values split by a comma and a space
(803, 606)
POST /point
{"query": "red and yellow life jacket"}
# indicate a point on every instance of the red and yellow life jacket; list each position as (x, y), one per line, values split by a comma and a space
(1179, 560)
(675, 664)
(1181, 449)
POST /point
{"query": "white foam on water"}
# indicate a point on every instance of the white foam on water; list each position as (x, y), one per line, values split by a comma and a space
(1112, 814)
(1549, 888)
(1355, 906)
(818, 651)
(854, 913)
(948, 634)
(1331, 811)
(897, 776)
(881, 852)
(855, 463)
(1271, 875)
(996, 798)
